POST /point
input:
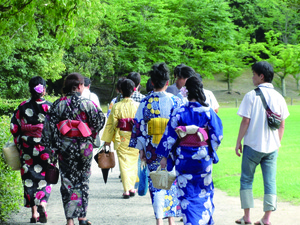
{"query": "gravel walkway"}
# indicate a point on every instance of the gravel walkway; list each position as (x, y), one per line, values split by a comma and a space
(106, 206)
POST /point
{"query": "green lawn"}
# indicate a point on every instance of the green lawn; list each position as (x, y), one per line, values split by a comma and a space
(227, 172)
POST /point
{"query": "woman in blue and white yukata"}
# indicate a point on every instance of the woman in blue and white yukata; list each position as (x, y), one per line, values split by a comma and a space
(149, 125)
(191, 139)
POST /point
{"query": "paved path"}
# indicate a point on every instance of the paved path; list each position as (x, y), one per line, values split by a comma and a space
(106, 206)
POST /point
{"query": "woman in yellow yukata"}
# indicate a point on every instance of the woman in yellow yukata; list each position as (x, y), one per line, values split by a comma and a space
(120, 122)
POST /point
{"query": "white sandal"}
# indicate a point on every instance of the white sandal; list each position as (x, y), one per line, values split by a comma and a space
(242, 221)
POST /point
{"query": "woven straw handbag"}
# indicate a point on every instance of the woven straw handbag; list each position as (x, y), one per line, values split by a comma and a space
(12, 155)
(162, 179)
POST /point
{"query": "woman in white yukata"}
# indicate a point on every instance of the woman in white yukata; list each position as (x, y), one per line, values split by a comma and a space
(149, 124)
(192, 137)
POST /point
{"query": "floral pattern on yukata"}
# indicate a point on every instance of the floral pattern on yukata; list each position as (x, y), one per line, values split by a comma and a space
(155, 105)
(74, 153)
(34, 157)
(193, 165)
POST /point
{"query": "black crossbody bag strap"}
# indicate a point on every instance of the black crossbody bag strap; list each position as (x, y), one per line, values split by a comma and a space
(262, 97)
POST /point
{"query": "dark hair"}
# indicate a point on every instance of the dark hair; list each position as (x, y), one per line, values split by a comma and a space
(121, 79)
(159, 75)
(195, 90)
(135, 77)
(149, 85)
(71, 82)
(87, 81)
(177, 69)
(264, 68)
(186, 72)
(199, 76)
(34, 81)
(127, 87)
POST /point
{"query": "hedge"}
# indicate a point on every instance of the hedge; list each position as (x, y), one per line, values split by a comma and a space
(11, 188)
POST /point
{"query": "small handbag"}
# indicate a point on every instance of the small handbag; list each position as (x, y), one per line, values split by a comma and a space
(12, 155)
(273, 119)
(162, 179)
(105, 158)
(52, 173)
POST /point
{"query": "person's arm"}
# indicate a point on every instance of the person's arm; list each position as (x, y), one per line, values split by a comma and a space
(281, 130)
(243, 128)
(216, 110)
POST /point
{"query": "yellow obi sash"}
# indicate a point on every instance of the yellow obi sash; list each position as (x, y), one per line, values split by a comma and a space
(156, 128)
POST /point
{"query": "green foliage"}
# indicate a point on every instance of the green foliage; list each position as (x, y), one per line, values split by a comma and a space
(8, 106)
(11, 189)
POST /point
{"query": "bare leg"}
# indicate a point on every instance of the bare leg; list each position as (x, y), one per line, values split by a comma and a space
(34, 213)
(266, 217)
(247, 215)
(70, 222)
(171, 221)
(159, 221)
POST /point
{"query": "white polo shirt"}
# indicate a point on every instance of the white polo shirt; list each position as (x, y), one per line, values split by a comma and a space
(211, 99)
(259, 136)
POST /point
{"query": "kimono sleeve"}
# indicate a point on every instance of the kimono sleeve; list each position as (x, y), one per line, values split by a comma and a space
(215, 130)
(111, 125)
(15, 126)
(96, 118)
(139, 132)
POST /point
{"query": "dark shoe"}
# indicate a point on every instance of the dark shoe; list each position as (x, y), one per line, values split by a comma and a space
(43, 215)
(132, 193)
(126, 196)
(34, 220)
(84, 222)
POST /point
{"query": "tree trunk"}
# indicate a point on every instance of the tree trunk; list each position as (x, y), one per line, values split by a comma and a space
(283, 89)
(229, 86)
(297, 85)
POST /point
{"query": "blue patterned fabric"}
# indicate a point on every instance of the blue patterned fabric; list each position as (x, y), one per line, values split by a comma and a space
(193, 165)
(155, 105)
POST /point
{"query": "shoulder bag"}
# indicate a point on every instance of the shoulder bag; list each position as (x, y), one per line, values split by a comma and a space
(273, 119)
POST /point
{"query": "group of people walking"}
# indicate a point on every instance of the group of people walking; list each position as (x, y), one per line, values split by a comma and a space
(173, 127)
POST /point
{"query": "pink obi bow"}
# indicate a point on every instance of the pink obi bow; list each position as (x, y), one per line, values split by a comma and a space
(192, 136)
(74, 128)
(32, 130)
(125, 124)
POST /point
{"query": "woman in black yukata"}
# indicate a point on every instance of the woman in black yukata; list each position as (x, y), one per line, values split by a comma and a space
(70, 129)
(26, 126)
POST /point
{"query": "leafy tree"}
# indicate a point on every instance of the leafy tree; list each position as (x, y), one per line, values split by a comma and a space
(283, 57)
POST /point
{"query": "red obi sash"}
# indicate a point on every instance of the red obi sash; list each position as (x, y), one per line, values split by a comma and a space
(32, 130)
(125, 124)
(74, 128)
(192, 136)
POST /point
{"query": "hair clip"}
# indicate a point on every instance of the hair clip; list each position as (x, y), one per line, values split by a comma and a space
(39, 88)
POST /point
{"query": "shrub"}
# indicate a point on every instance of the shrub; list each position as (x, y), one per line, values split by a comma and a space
(11, 188)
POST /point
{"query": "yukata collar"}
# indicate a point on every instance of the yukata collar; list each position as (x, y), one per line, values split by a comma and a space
(76, 93)
(158, 93)
(194, 104)
(267, 85)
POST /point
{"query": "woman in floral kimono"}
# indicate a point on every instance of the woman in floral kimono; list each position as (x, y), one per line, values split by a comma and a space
(120, 122)
(191, 138)
(26, 127)
(70, 129)
(149, 124)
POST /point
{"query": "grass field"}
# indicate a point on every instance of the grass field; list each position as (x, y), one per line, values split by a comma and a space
(226, 173)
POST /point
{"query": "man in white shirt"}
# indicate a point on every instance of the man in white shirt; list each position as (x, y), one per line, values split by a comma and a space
(261, 143)
(88, 94)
